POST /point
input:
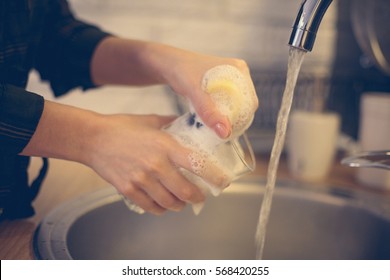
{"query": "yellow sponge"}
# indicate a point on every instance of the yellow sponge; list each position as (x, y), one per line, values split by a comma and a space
(234, 95)
(227, 95)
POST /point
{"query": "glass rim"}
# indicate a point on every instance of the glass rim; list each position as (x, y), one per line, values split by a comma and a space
(252, 165)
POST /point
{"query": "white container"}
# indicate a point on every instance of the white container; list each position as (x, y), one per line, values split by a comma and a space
(312, 143)
(374, 135)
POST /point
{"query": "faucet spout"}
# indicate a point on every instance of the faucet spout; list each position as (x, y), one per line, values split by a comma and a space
(307, 22)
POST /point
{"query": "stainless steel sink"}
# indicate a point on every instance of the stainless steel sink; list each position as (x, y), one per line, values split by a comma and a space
(304, 224)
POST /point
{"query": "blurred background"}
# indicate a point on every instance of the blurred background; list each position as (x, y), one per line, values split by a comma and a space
(333, 76)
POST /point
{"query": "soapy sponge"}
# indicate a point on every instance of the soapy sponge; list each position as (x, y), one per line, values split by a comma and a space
(234, 95)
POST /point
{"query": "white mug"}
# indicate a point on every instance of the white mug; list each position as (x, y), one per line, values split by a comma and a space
(312, 144)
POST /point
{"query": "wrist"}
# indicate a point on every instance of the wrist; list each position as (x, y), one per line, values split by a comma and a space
(64, 132)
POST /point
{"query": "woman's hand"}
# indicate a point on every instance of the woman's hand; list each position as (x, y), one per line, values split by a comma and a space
(143, 162)
(131, 152)
(185, 76)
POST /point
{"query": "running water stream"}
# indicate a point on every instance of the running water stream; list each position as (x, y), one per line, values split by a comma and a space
(294, 65)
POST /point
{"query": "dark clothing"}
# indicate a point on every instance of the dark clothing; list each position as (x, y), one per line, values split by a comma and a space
(42, 35)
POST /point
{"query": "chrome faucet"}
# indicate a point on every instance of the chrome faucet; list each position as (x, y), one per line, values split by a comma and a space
(307, 22)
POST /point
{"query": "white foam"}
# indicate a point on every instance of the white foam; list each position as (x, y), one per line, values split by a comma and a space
(208, 152)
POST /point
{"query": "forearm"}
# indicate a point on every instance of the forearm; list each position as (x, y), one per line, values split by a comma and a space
(64, 132)
(132, 62)
(124, 62)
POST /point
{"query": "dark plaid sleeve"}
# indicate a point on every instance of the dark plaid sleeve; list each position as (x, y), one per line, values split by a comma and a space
(20, 112)
(66, 49)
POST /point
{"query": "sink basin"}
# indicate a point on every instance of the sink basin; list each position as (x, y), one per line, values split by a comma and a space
(305, 223)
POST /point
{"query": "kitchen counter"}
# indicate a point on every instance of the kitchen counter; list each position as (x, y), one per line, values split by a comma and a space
(67, 180)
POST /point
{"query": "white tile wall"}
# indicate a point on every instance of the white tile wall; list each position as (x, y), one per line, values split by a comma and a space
(256, 30)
